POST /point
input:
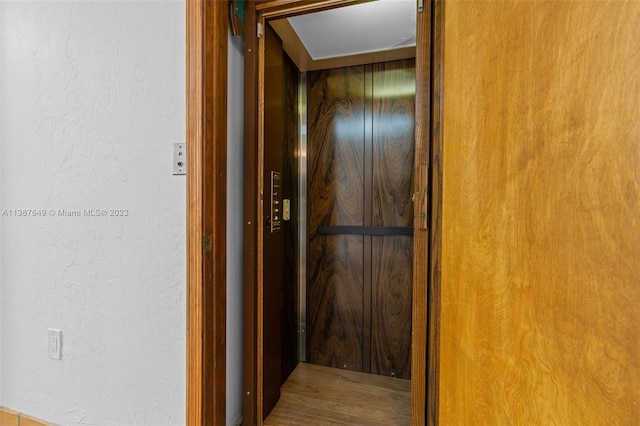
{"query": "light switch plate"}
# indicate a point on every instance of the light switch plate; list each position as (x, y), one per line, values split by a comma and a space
(179, 159)
(54, 343)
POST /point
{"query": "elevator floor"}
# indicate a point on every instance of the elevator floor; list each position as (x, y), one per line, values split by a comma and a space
(316, 395)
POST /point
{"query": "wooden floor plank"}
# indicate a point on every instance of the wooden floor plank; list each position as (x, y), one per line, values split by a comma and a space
(316, 395)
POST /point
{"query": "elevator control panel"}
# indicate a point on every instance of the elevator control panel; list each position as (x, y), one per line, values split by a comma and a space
(276, 202)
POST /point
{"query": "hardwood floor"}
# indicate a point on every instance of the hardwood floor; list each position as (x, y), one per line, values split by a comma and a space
(317, 395)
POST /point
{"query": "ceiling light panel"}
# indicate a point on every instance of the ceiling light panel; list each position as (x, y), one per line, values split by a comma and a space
(363, 28)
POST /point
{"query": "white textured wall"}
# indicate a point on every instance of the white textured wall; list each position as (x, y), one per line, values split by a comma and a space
(92, 98)
(235, 182)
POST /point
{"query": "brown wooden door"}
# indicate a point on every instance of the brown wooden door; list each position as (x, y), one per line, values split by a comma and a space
(280, 235)
(273, 236)
(540, 296)
(361, 152)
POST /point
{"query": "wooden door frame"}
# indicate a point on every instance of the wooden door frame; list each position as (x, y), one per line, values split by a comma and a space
(206, 121)
(435, 151)
(427, 242)
(206, 128)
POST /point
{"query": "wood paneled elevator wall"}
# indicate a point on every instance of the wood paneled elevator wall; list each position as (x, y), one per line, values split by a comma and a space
(361, 154)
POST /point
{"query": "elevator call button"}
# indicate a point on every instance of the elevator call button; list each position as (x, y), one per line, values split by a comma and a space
(276, 197)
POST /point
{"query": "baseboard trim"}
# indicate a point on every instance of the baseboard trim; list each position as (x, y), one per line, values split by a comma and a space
(9, 417)
(14, 418)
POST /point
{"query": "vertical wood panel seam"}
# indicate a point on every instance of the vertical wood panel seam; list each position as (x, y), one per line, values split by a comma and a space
(367, 279)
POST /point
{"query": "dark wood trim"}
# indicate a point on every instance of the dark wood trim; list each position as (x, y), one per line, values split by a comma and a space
(366, 230)
(286, 8)
(250, 338)
(421, 234)
(435, 252)
(206, 210)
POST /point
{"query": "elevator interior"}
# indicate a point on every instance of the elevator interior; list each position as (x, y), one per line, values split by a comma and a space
(338, 184)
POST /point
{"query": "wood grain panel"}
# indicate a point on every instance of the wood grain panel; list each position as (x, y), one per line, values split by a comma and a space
(391, 306)
(336, 146)
(394, 85)
(540, 302)
(386, 168)
(336, 184)
(334, 302)
(393, 100)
